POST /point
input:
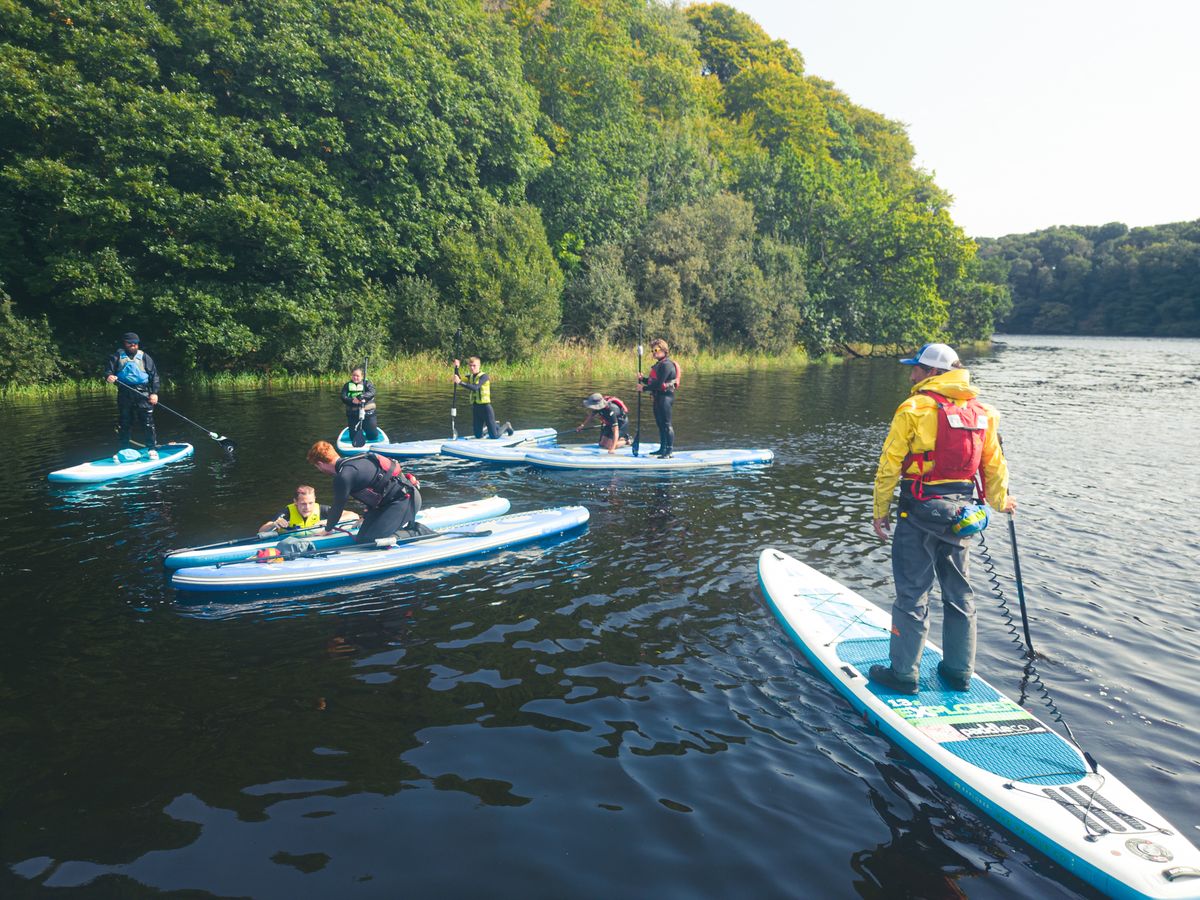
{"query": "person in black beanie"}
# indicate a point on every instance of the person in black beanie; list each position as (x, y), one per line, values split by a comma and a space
(137, 392)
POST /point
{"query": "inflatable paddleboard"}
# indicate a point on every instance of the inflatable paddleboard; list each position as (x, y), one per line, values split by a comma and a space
(361, 562)
(107, 469)
(626, 462)
(514, 454)
(434, 446)
(435, 517)
(984, 746)
(345, 444)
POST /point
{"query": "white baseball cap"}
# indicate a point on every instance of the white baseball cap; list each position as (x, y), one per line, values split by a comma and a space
(933, 356)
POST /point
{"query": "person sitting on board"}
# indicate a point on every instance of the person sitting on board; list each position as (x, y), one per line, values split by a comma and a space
(941, 441)
(137, 393)
(392, 497)
(480, 385)
(614, 420)
(359, 396)
(661, 382)
(303, 513)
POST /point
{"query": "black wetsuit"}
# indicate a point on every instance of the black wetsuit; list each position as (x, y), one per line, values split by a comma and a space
(661, 385)
(396, 510)
(615, 421)
(482, 414)
(370, 425)
(133, 401)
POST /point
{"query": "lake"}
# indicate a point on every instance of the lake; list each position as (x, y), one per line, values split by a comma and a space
(615, 714)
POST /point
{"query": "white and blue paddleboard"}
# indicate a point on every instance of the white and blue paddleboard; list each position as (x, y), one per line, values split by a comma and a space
(365, 561)
(435, 446)
(435, 517)
(984, 746)
(107, 469)
(625, 461)
(345, 443)
(514, 454)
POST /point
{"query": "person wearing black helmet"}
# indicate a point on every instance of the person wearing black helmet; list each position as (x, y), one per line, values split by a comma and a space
(614, 420)
(137, 392)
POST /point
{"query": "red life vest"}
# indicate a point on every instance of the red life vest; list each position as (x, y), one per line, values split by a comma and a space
(958, 448)
(388, 476)
(619, 402)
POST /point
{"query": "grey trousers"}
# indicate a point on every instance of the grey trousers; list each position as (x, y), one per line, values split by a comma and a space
(918, 557)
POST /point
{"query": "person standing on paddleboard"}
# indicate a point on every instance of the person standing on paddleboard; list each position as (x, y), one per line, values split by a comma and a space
(943, 446)
(614, 420)
(302, 513)
(134, 368)
(479, 383)
(392, 497)
(359, 394)
(661, 382)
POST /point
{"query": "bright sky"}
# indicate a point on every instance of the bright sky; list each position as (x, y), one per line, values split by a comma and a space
(1031, 113)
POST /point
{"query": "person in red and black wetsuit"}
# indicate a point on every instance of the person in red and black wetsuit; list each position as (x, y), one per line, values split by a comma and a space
(391, 496)
(614, 420)
(661, 383)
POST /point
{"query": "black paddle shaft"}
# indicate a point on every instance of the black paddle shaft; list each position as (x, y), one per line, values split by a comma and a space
(226, 443)
(1012, 536)
(637, 435)
(454, 395)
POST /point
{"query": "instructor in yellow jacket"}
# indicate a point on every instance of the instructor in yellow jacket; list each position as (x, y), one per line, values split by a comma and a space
(941, 444)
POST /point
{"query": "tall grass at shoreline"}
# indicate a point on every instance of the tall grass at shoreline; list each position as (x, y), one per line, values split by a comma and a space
(600, 363)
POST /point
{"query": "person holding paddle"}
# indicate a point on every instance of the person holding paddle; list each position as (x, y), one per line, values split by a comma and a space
(614, 420)
(303, 513)
(942, 441)
(392, 496)
(359, 396)
(661, 383)
(134, 369)
(479, 384)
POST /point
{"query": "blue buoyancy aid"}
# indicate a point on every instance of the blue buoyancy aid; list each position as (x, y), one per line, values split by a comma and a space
(131, 370)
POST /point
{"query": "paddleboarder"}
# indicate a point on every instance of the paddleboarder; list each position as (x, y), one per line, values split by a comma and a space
(661, 382)
(133, 367)
(303, 512)
(942, 441)
(479, 384)
(359, 396)
(614, 420)
(392, 497)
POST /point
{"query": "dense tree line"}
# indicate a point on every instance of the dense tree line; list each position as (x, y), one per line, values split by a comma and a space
(293, 184)
(1107, 279)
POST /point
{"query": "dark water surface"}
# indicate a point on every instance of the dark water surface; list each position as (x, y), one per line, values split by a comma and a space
(612, 715)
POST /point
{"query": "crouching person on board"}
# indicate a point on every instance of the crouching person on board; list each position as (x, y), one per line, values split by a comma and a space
(392, 496)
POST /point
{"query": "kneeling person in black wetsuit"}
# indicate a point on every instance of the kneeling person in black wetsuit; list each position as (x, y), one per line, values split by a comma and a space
(614, 420)
(391, 496)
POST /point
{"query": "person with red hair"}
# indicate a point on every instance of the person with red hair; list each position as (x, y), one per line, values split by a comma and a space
(392, 496)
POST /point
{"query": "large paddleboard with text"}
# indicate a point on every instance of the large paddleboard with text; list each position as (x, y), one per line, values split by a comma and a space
(986, 747)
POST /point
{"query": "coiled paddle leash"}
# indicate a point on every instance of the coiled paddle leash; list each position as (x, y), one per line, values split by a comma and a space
(1031, 679)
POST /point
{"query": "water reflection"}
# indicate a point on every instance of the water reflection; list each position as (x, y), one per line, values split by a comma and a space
(618, 710)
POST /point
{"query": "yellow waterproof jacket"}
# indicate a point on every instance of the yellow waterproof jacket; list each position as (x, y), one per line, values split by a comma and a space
(914, 430)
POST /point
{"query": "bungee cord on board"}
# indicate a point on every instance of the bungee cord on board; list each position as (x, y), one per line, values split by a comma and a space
(1031, 679)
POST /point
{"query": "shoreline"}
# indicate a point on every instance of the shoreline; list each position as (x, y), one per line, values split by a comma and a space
(560, 361)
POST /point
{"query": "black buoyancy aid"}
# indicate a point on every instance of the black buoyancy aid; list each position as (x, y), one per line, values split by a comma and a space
(666, 387)
(622, 410)
(958, 448)
(390, 482)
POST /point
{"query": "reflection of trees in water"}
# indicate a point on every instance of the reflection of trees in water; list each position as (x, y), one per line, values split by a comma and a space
(922, 858)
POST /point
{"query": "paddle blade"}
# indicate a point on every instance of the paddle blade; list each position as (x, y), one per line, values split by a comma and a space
(228, 445)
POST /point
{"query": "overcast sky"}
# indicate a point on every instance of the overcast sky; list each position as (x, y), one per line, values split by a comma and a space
(1031, 113)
